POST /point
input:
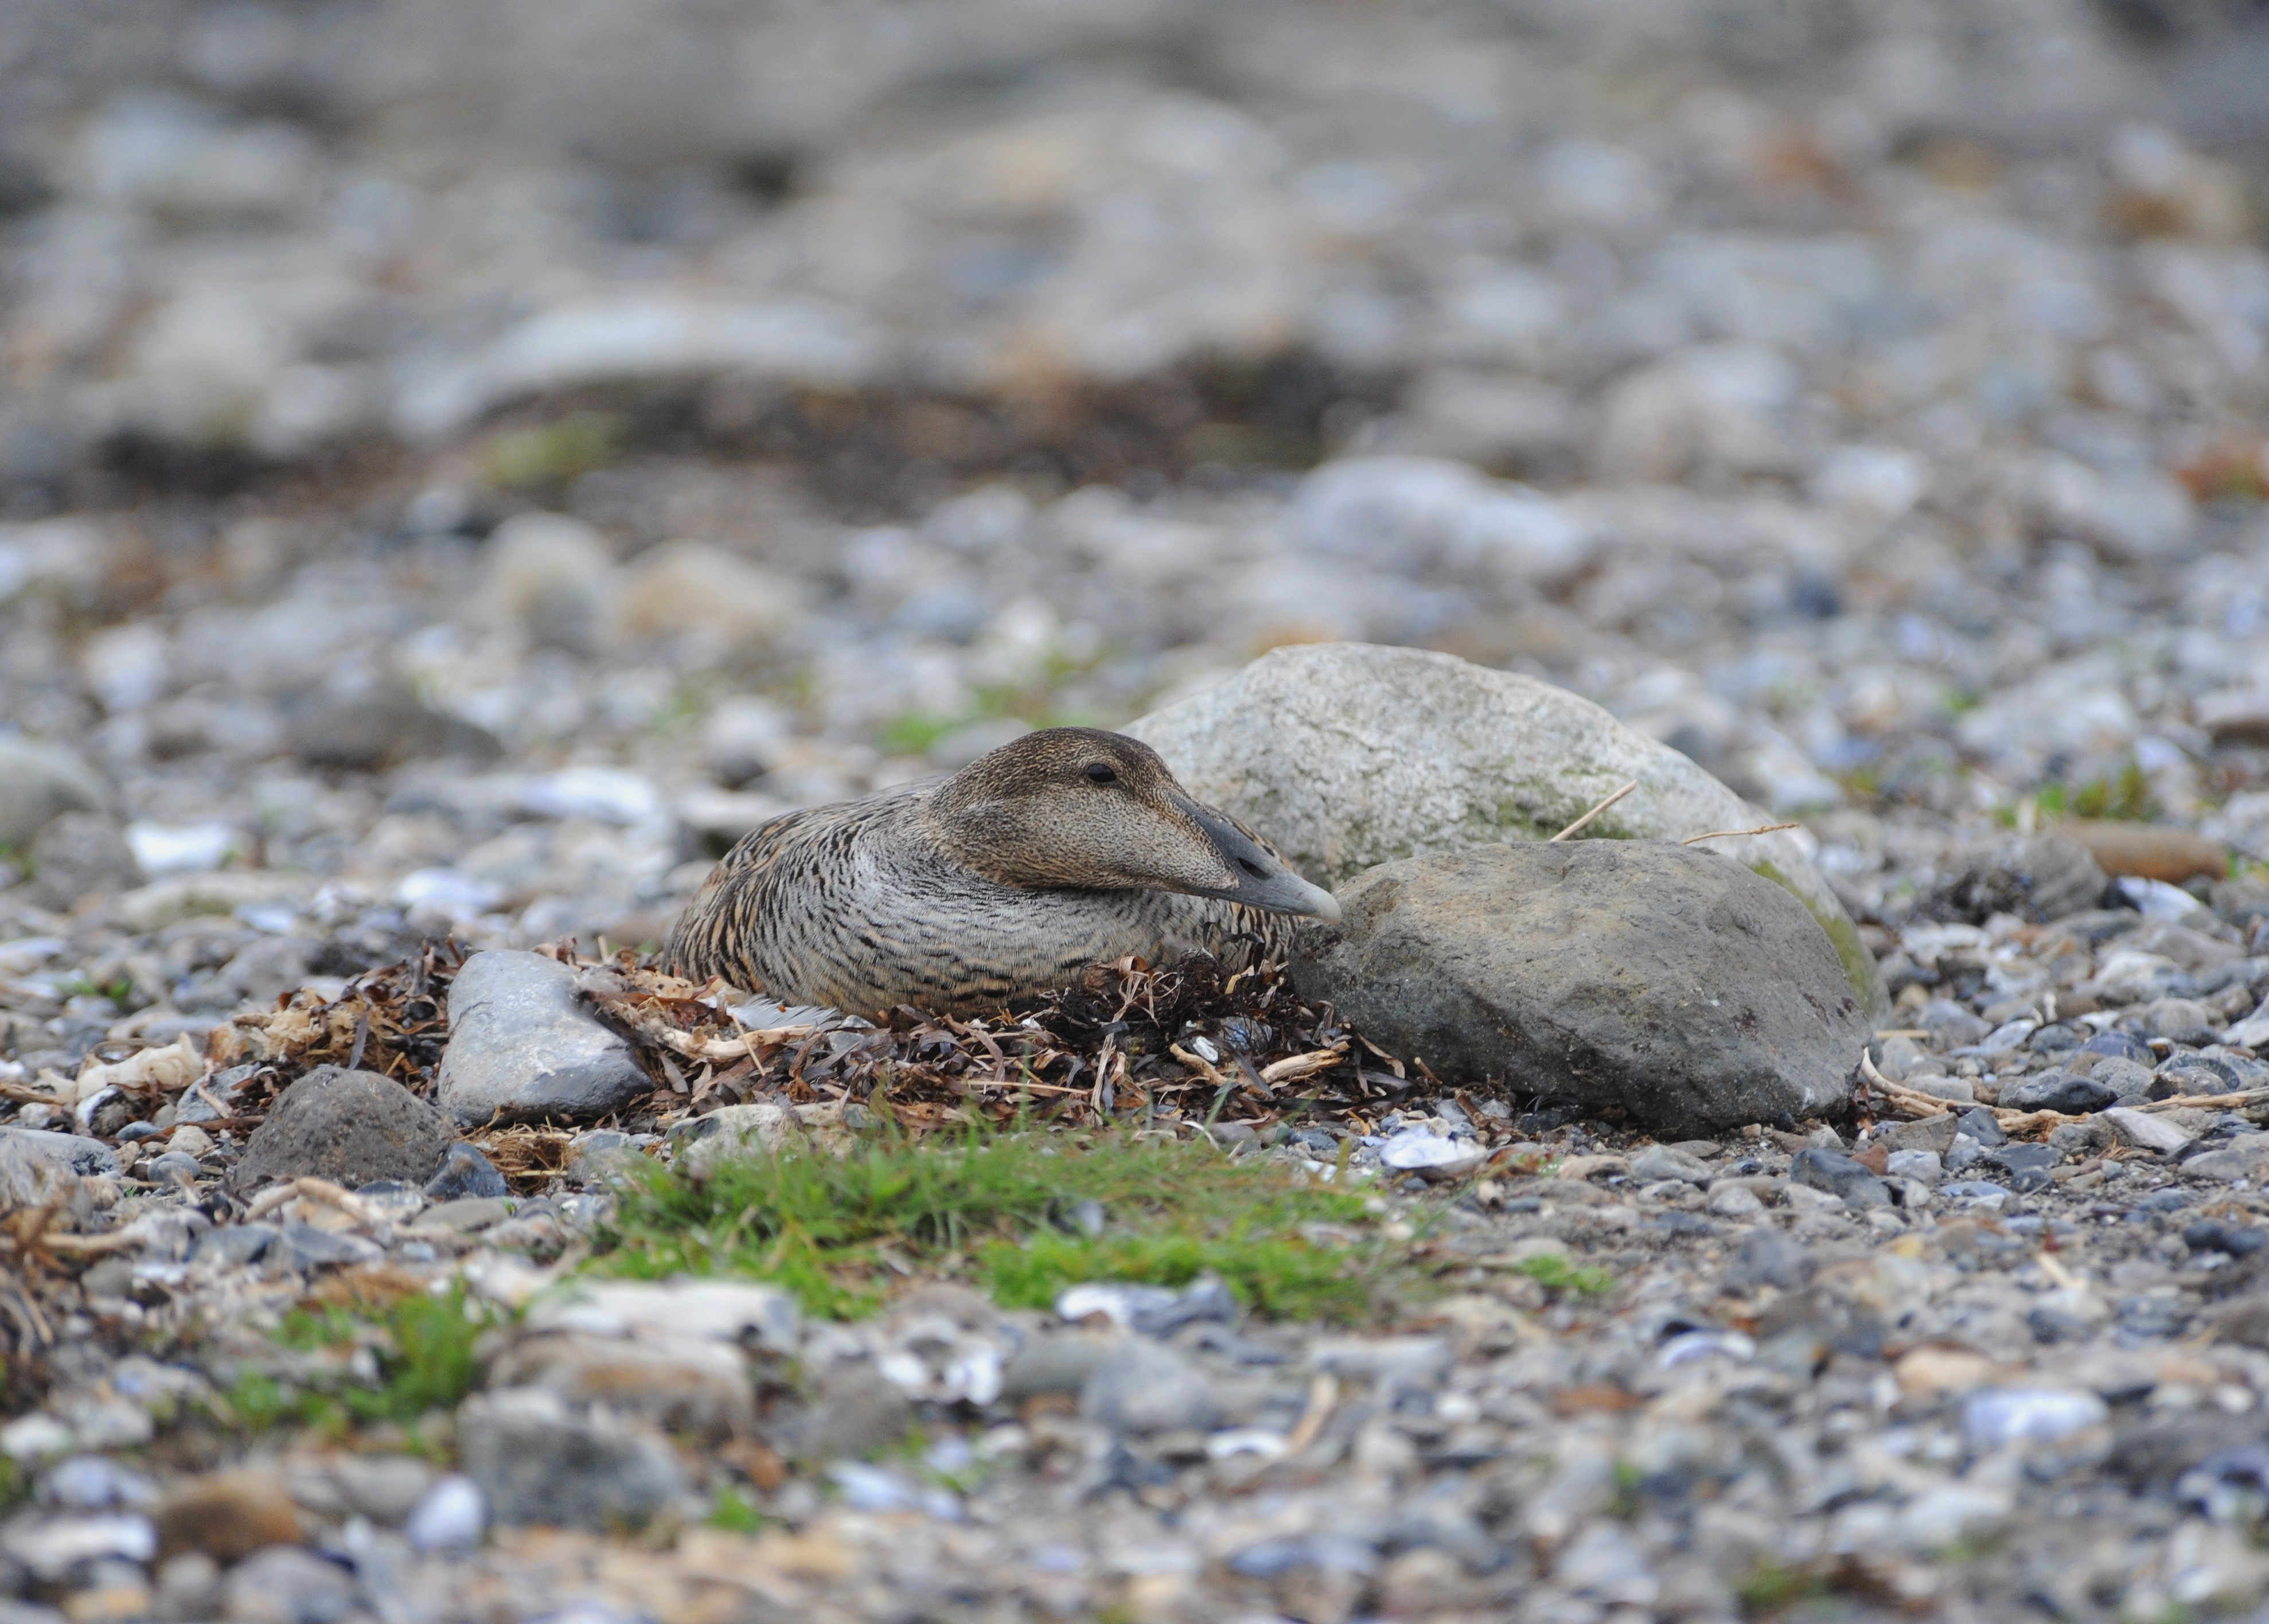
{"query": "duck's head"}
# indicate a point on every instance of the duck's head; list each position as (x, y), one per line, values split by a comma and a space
(1079, 807)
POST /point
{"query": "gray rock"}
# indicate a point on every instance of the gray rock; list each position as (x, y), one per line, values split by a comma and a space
(1839, 1175)
(1147, 1387)
(39, 783)
(466, 1175)
(1932, 1134)
(380, 729)
(2036, 877)
(237, 1245)
(2057, 1091)
(2146, 1131)
(523, 1047)
(855, 1412)
(2246, 1156)
(1666, 980)
(1055, 1364)
(80, 854)
(1347, 755)
(540, 1461)
(1923, 1167)
(37, 1164)
(352, 1127)
(265, 970)
(283, 1584)
(1659, 1161)
(1767, 1257)
(301, 1248)
(1950, 1026)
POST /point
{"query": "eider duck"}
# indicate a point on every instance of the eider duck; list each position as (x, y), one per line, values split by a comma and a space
(1068, 847)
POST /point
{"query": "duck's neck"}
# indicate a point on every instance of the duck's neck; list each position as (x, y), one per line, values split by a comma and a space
(990, 837)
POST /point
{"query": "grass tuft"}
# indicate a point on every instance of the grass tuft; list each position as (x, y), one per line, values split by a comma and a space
(839, 1231)
(424, 1350)
(1552, 1271)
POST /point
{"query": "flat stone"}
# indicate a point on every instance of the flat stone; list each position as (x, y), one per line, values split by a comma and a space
(1668, 981)
(1659, 1161)
(1350, 755)
(1839, 1175)
(38, 783)
(539, 1461)
(2059, 1091)
(523, 1047)
(284, 1584)
(352, 1127)
(1932, 1134)
(1147, 1387)
(2148, 1130)
(2245, 1158)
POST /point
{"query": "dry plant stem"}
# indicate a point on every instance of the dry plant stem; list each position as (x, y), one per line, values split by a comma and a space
(1293, 1067)
(1323, 1397)
(1729, 834)
(1594, 812)
(315, 1190)
(1198, 1064)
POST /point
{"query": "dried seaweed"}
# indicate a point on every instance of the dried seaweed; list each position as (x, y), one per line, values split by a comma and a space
(392, 1020)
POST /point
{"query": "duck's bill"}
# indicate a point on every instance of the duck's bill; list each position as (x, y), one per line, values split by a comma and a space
(1262, 882)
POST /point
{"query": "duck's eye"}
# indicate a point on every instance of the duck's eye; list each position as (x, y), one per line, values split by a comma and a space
(1099, 773)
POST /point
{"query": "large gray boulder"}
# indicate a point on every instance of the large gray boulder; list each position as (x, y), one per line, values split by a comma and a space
(41, 782)
(1349, 755)
(523, 1047)
(1666, 980)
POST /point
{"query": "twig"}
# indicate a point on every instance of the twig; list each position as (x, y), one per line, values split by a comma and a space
(1293, 1067)
(316, 1190)
(2249, 1097)
(1595, 811)
(1728, 834)
(1323, 1397)
(1198, 1064)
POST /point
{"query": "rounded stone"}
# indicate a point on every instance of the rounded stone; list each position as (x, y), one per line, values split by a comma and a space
(1350, 755)
(1665, 980)
(352, 1127)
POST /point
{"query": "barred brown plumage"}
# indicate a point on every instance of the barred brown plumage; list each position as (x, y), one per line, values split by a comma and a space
(1068, 847)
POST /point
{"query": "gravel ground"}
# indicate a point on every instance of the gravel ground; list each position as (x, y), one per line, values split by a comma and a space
(464, 465)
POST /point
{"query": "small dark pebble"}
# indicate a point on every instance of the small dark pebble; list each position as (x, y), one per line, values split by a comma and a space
(2053, 1324)
(2166, 1200)
(134, 1133)
(1982, 1126)
(2214, 1235)
(1767, 1257)
(465, 1172)
(2060, 1091)
(1839, 1175)
(2054, 1040)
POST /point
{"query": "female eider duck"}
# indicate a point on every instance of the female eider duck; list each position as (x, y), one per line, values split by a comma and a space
(1068, 847)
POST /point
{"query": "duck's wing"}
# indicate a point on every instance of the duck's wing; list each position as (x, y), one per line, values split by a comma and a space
(764, 892)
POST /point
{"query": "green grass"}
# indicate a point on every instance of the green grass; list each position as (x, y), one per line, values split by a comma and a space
(1552, 1271)
(424, 1348)
(840, 1232)
(730, 1511)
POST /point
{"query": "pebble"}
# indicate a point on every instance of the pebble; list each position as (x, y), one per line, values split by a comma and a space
(466, 1174)
(352, 1127)
(522, 1046)
(1145, 1387)
(538, 1460)
(284, 1584)
(2059, 1091)
(1998, 1417)
(1836, 1174)
(1500, 962)
(451, 1515)
(40, 782)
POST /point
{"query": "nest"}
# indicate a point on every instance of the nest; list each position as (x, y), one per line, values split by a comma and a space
(1184, 1040)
